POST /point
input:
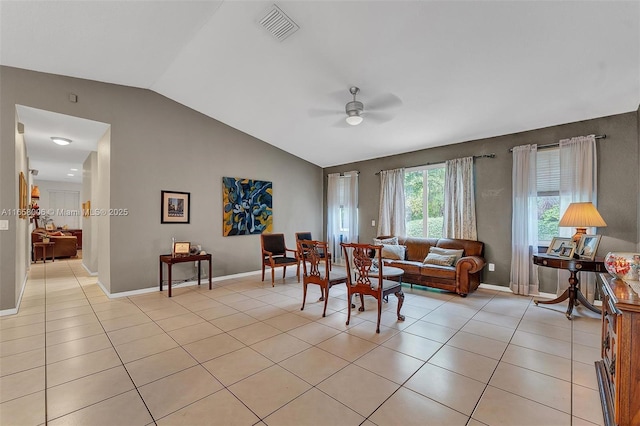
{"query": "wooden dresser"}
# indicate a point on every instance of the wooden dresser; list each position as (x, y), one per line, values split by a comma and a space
(619, 370)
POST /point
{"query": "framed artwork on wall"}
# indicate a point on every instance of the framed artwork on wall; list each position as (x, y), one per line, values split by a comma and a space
(22, 196)
(176, 207)
(247, 206)
(561, 247)
(588, 246)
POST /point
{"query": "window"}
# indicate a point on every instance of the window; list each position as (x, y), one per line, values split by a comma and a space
(548, 174)
(424, 200)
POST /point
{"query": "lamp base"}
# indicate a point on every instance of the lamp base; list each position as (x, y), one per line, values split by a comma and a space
(579, 233)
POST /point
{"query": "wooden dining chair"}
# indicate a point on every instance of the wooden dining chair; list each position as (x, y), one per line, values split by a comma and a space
(274, 255)
(316, 270)
(364, 280)
(323, 253)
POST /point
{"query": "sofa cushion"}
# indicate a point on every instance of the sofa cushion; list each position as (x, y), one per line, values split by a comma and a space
(407, 266)
(417, 248)
(437, 271)
(470, 247)
(383, 241)
(393, 252)
(457, 254)
(440, 259)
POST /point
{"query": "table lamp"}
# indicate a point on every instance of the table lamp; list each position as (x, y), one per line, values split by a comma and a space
(581, 216)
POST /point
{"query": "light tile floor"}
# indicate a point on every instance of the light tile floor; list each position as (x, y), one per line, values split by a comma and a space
(244, 354)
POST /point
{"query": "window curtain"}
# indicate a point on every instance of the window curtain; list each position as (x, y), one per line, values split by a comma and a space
(342, 212)
(524, 221)
(459, 203)
(391, 218)
(578, 183)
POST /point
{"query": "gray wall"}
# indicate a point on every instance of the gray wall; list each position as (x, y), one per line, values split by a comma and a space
(618, 185)
(157, 144)
(89, 225)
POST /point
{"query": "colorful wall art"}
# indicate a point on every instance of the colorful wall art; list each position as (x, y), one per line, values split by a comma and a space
(247, 206)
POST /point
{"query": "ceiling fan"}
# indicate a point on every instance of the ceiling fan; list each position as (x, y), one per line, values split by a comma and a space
(356, 112)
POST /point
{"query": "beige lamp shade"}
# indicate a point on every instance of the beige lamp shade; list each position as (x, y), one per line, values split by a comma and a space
(582, 216)
(35, 191)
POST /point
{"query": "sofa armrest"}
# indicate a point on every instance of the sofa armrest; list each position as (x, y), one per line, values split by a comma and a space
(465, 267)
(469, 265)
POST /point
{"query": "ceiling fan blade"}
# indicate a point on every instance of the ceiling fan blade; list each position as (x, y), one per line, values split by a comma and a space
(386, 101)
(323, 112)
(378, 117)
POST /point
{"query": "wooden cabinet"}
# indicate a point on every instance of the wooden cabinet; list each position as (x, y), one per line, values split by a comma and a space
(619, 370)
(76, 233)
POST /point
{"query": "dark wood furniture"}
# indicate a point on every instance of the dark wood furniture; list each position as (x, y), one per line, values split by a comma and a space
(574, 266)
(364, 281)
(43, 247)
(274, 255)
(316, 269)
(619, 370)
(307, 236)
(171, 260)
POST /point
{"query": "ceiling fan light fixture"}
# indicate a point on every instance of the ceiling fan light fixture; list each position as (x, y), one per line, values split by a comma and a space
(60, 141)
(354, 119)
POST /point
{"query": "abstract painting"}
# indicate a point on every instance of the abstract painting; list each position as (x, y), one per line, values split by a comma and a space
(247, 206)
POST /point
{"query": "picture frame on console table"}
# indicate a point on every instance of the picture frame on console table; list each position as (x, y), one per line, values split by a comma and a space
(176, 207)
(588, 246)
(561, 247)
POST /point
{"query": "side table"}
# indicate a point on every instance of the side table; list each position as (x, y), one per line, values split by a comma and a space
(171, 260)
(574, 266)
(44, 247)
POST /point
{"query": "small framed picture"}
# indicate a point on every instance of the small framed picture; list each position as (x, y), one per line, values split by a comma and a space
(176, 207)
(562, 247)
(588, 246)
(181, 249)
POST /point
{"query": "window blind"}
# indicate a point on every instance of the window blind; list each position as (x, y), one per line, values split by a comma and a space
(548, 171)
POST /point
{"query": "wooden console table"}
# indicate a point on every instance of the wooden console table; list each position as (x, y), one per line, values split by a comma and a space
(170, 260)
(574, 266)
(618, 371)
(44, 247)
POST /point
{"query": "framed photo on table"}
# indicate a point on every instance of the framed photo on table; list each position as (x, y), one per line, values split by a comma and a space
(588, 246)
(176, 207)
(561, 247)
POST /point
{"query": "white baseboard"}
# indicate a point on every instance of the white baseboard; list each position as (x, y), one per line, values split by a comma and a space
(93, 274)
(14, 311)
(185, 284)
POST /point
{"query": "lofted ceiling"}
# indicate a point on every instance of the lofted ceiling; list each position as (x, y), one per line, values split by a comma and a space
(441, 72)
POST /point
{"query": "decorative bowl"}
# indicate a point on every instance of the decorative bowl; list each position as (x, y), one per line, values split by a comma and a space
(625, 266)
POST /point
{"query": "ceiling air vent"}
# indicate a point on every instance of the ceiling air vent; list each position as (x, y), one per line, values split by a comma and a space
(278, 23)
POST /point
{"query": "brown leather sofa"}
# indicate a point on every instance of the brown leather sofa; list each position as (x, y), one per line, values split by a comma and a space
(463, 278)
(65, 245)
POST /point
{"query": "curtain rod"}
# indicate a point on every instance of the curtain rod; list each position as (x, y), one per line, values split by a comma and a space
(492, 155)
(551, 145)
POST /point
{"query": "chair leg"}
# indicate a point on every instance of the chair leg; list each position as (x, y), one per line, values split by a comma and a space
(273, 277)
(361, 308)
(325, 292)
(400, 296)
(284, 272)
(349, 298)
(298, 271)
(304, 295)
(262, 271)
(379, 315)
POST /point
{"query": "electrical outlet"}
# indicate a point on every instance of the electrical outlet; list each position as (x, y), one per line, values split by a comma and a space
(4, 225)
(492, 267)
(373, 223)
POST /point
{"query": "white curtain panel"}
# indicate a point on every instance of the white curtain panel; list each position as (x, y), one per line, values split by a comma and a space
(333, 216)
(391, 218)
(524, 221)
(459, 202)
(578, 183)
(342, 212)
(351, 204)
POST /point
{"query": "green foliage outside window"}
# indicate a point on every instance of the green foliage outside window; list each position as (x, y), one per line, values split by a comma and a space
(414, 196)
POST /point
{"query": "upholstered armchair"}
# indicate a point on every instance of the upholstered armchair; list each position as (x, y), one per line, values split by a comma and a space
(274, 255)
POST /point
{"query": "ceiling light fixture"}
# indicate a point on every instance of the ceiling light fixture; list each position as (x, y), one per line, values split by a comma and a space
(74, 170)
(61, 141)
(70, 174)
(354, 108)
